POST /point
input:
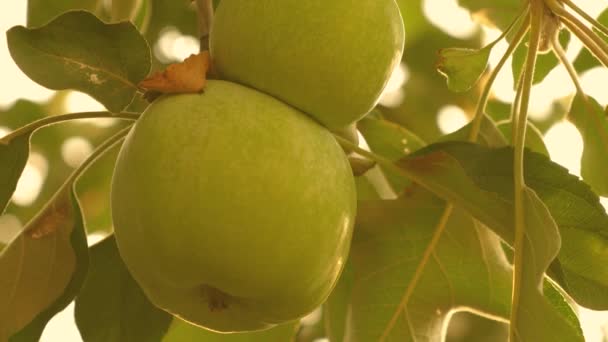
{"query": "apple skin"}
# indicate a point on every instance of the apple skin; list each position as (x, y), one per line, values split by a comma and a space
(231, 209)
(330, 59)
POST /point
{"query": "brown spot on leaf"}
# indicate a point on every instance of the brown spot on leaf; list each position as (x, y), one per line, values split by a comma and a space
(425, 163)
(51, 220)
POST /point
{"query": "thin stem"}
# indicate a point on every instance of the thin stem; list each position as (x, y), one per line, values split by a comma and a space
(561, 55)
(205, 21)
(595, 44)
(516, 105)
(99, 152)
(31, 127)
(587, 17)
(483, 99)
(589, 43)
(82, 168)
(537, 14)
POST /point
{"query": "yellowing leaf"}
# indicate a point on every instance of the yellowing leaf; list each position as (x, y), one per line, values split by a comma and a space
(42, 269)
(189, 76)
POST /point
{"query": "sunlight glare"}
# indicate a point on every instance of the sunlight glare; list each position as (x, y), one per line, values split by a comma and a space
(592, 323)
(393, 93)
(62, 327)
(4, 131)
(173, 46)
(451, 118)
(594, 83)
(452, 19)
(75, 150)
(13, 13)
(565, 145)
(604, 202)
(312, 318)
(31, 180)
(76, 102)
(10, 226)
(555, 86)
(503, 88)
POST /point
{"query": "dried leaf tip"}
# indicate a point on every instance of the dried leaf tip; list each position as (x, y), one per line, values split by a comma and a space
(189, 76)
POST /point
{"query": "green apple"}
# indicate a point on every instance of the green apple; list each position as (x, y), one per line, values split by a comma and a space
(330, 59)
(232, 210)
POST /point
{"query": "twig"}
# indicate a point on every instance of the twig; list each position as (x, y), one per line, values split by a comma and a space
(205, 21)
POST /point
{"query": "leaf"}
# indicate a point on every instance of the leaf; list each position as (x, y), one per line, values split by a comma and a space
(391, 141)
(463, 67)
(43, 268)
(40, 12)
(389, 249)
(188, 76)
(78, 51)
(181, 331)
(541, 244)
(13, 157)
(489, 134)
(497, 13)
(534, 138)
(111, 306)
(592, 122)
(545, 62)
(480, 181)
(585, 60)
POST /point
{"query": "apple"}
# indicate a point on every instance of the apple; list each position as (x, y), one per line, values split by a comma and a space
(330, 59)
(232, 210)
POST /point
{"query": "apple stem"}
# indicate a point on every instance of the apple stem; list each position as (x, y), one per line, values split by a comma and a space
(205, 20)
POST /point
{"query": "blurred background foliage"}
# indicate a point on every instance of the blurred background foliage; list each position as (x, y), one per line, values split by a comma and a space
(417, 100)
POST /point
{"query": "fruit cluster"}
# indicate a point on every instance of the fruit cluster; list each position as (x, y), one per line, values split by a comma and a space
(234, 208)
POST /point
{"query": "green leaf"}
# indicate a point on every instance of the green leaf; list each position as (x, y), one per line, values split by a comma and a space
(78, 51)
(389, 253)
(534, 138)
(565, 307)
(541, 243)
(592, 122)
(391, 141)
(585, 59)
(181, 331)
(111, 306)
(499, 13)
(388, 138)
(480, 181)
(463, 67)
(489, 134)
(43, 268)
(544, 64)
(40, 12)
(13, 157)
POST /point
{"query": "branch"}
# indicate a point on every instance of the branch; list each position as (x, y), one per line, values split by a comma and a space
(205, 21)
